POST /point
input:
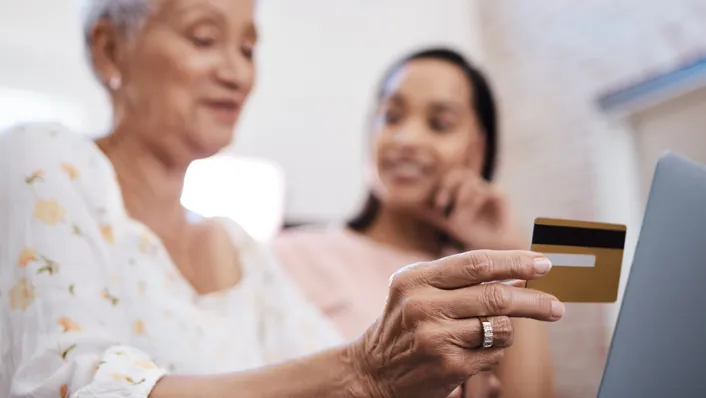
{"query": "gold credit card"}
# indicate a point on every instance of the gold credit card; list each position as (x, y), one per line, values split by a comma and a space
(586, 258)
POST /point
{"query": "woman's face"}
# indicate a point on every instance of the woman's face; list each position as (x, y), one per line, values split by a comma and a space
(187, 73)
(424, 127)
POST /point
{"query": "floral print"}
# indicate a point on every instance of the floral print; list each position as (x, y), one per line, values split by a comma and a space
(27, 256)
(22, 295)
(70, 170)
(105, 295)
(64, 391)
(138, 327)
(49, 211)
(107, 233)
(68, 325)
(36, 176)
(48, 266)
(97, 297)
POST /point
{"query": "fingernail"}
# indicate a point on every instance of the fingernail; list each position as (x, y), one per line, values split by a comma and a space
(558, 309)
(542, 265)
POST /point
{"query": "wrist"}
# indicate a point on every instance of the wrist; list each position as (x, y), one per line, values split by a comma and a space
(365, 383)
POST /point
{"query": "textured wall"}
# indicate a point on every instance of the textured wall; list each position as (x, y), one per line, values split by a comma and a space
(549, 61)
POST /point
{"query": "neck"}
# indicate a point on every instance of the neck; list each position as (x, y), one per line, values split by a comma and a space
(151, 188)
(405, 232)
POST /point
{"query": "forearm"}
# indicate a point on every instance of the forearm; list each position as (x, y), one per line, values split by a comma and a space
(328, 374)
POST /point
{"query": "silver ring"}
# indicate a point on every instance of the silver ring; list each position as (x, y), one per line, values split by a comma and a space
(487, 332)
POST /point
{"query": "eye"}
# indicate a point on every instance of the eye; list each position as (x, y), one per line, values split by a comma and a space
(392, 116)
(440, 124)
(204, 36)
(203, 42)
(248, 51)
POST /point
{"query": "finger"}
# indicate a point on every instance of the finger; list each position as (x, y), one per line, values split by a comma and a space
(495, 299)
(447, 190)
(483, 360)
(478, 266)
(468, 333)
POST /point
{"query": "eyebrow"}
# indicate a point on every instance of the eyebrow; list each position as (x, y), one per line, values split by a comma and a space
(446, 106)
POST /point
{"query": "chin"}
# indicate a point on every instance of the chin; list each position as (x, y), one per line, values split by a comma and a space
(409, 197)
(212, 139)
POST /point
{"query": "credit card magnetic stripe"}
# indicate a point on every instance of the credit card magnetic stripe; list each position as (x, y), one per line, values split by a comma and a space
(577, 236)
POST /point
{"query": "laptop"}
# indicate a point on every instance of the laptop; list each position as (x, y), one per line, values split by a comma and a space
(659, 345)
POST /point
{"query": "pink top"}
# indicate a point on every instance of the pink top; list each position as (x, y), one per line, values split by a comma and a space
(344, 273)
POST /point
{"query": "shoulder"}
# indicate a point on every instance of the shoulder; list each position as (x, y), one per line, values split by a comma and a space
(32, 148)
(50, 163)
(37, 137)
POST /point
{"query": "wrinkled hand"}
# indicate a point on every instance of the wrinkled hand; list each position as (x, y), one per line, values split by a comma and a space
(427, 341)
(473, 212)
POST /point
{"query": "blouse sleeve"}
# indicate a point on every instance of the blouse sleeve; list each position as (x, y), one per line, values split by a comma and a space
(63, 328)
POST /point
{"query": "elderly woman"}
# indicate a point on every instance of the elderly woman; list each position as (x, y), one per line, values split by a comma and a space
(108, 289)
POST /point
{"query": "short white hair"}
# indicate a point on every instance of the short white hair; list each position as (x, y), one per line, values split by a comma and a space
(126, 15)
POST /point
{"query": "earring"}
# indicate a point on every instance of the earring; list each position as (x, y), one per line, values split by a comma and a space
(114, 83)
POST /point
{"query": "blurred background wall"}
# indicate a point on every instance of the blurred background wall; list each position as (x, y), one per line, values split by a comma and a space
(551, 61)
(583, 120)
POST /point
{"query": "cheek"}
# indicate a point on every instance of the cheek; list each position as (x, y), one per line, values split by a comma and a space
(476, 156)
(377, 143)
(169, 79)
(249, 76)
(182, 75)
(460, 152)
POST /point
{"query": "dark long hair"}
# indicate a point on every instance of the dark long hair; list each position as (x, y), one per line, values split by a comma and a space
(484, 107)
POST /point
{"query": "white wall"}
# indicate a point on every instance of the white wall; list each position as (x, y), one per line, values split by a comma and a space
(41, 52)
(318, 63)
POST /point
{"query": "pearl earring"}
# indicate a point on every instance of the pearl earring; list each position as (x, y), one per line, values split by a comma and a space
(114, 83)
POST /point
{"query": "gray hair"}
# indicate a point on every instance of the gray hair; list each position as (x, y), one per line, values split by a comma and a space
(127, 15)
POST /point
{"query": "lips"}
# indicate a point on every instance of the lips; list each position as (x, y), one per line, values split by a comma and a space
(405, 169)
(225, 110)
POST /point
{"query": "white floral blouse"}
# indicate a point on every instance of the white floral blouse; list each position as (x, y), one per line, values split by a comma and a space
(91, 303)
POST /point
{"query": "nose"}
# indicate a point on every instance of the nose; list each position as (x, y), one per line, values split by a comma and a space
(236, 72)
(410, 134)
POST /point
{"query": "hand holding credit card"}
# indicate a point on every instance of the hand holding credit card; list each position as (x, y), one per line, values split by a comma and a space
(586, 257)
